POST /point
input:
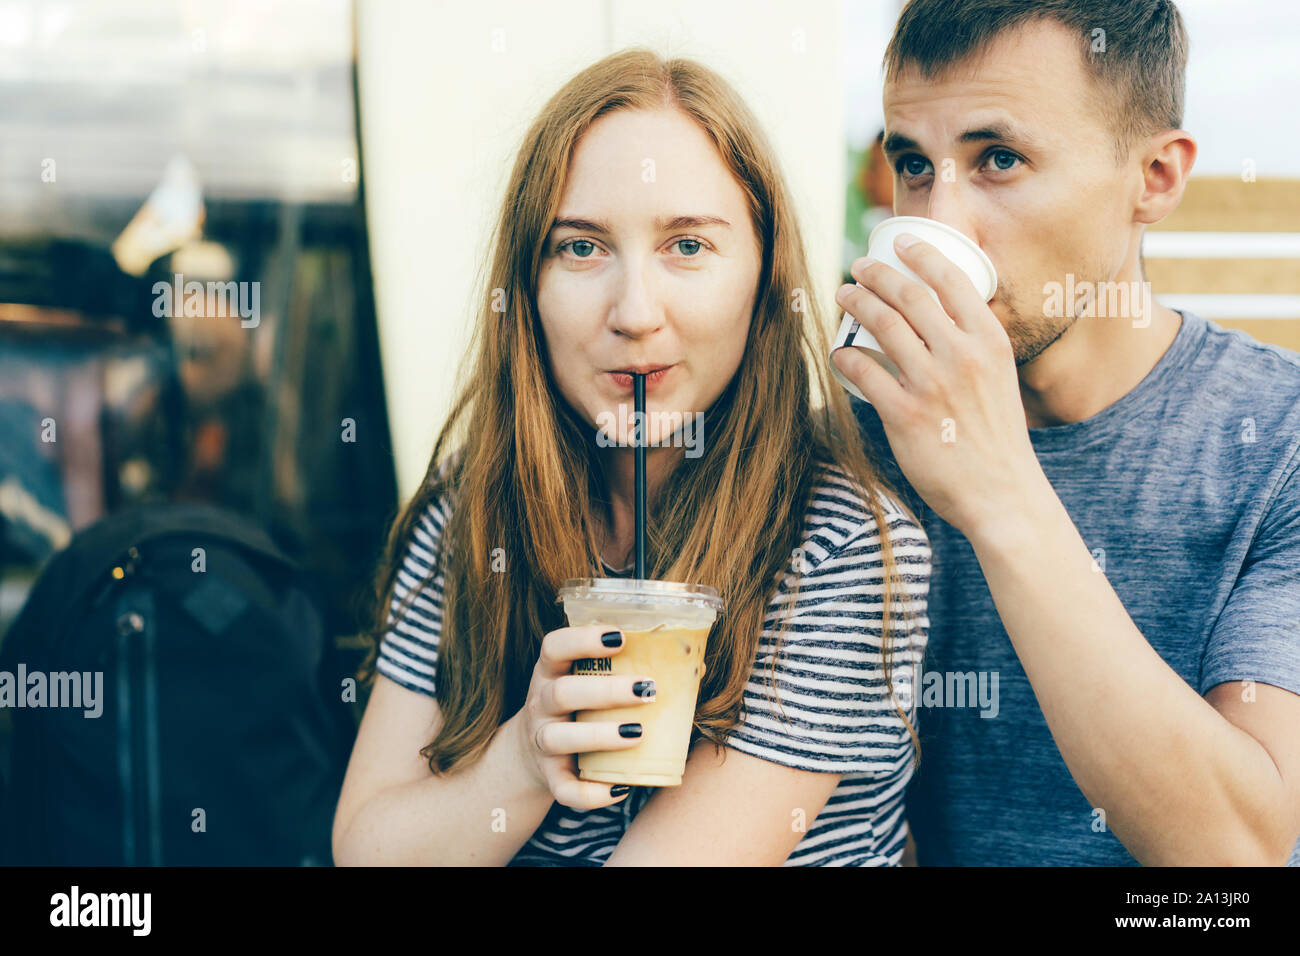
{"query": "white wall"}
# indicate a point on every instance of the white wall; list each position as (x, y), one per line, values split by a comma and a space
(1243, 85)
(447, 90)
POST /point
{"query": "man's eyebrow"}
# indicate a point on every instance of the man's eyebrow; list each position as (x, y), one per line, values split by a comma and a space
(1004, 132)
(662, 224)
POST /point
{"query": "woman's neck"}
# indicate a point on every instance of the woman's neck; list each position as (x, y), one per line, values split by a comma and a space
(619, 468)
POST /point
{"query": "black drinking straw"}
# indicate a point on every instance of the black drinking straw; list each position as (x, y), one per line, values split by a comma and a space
(639, 387)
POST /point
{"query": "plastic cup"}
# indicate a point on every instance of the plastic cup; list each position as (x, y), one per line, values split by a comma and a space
(665, 627)
(957, 246)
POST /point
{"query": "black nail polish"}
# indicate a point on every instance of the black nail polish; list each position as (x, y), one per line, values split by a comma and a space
(644, 688)
(619, 789)
(611, 638)
(629, 730)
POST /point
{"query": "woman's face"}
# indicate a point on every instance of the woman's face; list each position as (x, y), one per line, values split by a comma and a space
(652, 263)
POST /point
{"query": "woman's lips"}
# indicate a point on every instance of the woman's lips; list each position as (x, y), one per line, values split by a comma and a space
(624, 379)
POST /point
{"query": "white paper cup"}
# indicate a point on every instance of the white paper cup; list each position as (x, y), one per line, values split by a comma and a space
(959, 248)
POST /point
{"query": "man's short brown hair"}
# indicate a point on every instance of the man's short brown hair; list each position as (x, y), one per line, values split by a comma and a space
(1135, 51)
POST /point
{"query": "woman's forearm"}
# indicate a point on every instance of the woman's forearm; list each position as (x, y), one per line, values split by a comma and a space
(477, 816)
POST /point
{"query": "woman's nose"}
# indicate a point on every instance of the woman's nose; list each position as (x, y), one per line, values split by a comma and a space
(636, 310)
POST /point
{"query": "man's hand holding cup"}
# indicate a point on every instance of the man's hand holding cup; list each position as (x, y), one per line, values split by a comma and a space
(947, 391)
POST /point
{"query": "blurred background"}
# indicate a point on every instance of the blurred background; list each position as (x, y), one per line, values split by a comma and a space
(241, 239)
(216, 141)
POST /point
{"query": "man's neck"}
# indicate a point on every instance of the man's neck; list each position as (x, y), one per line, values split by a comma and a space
(1096, 361)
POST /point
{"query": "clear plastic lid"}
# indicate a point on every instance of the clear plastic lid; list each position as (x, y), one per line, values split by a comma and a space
(640, 593)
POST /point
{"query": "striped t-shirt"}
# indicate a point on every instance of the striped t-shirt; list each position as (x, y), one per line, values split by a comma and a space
(828, 675)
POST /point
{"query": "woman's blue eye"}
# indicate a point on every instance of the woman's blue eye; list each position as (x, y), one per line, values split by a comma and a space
(585, 248)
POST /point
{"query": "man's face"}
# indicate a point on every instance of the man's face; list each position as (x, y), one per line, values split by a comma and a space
(1035, 184)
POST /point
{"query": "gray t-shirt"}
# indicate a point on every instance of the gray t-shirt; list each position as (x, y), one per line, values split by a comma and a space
(1187, 491)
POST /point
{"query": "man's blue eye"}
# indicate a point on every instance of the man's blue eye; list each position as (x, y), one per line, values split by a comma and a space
(1002, 152)
(906, 163)
(689, 247)
(998, 156)
(587, 248)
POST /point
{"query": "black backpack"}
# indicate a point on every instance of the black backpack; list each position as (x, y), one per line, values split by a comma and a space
(222, 736)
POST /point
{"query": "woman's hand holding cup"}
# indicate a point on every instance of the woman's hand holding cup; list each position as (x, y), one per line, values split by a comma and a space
(550, 738)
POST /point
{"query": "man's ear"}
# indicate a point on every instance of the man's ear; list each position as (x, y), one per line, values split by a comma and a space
(1166, 166)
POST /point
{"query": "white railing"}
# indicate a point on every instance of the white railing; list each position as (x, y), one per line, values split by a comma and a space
(1229, 245)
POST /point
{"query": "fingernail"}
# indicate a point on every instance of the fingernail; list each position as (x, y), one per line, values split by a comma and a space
(629, 730)
(644, 688)
(843, 293)
(611, 638)
(619, 789)
(906, 240)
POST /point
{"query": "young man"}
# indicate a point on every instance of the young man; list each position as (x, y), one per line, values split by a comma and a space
(1113, 501)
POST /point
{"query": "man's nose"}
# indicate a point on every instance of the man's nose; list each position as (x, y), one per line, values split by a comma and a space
(636, 309)
(948, 205)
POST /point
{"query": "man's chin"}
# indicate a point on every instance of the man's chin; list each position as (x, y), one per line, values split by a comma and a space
(1030, 341)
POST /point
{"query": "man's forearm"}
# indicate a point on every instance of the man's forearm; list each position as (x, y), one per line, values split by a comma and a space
(1178, 782)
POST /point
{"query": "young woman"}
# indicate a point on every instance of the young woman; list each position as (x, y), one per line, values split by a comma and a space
(645, 228)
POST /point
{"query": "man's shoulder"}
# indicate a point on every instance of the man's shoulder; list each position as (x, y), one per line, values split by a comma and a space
(1240, 365)
(1235, 401)
(876, 445)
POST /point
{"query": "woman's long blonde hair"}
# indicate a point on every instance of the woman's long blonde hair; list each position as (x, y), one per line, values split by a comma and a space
(521, 467)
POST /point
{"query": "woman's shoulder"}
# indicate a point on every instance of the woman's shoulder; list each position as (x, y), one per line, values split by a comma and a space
(408, 650)
(427, 529)
(839, 516)
(425, 536)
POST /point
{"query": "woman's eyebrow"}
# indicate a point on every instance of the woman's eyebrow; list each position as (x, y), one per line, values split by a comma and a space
(583, 225)
(690, 222)
(663, 224)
